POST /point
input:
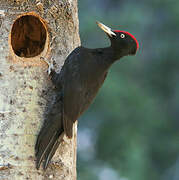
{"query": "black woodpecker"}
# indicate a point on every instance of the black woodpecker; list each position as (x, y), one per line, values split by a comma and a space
(82, 74)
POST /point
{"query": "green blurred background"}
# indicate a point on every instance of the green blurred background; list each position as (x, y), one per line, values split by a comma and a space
(131, 131)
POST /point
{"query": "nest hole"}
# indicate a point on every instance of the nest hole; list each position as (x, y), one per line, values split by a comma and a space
(28, 36)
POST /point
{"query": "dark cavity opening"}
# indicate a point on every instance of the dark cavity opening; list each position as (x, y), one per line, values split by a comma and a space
(28, 36)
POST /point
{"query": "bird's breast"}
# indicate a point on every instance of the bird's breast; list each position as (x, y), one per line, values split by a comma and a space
(89, 90)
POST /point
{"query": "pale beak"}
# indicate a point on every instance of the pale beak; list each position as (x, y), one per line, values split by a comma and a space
(106, 29)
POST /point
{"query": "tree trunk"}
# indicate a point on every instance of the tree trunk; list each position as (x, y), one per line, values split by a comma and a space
(31, 31)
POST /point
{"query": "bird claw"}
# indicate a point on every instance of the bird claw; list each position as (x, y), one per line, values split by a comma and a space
(50, 65)
(50, 68)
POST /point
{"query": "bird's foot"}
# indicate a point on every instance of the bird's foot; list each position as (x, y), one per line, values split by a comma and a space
(50, 65)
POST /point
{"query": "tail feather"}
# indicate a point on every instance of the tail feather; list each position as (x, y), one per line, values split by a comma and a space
(49, 154)
(44, 147)
(48, 138)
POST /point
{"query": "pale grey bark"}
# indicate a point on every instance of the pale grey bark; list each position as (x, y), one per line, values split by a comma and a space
(25, 89)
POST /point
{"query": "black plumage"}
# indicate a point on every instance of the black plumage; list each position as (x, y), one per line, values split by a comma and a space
(82, 74)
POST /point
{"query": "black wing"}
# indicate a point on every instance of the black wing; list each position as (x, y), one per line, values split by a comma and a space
(72, 91)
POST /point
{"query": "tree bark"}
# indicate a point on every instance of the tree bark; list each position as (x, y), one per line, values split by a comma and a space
(30, 31)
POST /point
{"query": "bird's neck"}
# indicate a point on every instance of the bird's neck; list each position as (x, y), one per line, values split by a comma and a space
(109, 55)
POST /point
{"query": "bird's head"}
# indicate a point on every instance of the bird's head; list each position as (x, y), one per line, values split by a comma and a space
(122, 42)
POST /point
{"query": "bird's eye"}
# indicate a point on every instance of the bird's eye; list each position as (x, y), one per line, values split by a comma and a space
(122, 36)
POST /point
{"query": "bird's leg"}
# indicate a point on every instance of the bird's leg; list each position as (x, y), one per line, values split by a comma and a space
(52, 73)
(50, 65)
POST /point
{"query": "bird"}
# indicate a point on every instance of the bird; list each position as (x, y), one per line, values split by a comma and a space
(77, 84)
